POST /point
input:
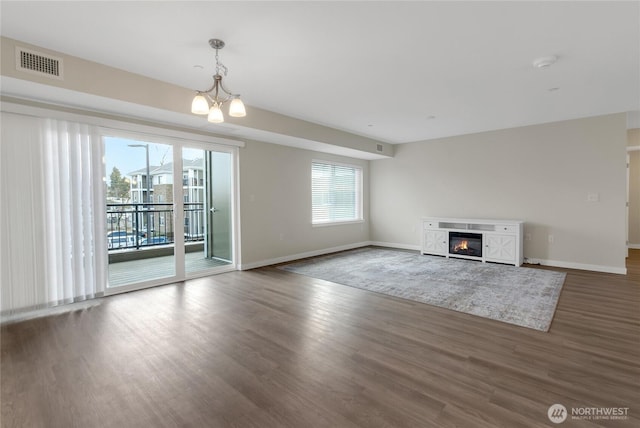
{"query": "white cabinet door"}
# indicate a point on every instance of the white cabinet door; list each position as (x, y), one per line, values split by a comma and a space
(435, 242)
(500, 248)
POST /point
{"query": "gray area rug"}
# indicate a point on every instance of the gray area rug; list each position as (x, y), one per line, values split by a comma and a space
(516, 295)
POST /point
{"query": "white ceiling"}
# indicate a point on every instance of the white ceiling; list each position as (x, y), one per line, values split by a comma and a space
(379, 69)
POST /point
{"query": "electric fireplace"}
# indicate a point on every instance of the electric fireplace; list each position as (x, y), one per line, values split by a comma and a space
(465, 244)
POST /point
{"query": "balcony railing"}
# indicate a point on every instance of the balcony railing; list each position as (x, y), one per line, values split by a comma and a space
(142, 225)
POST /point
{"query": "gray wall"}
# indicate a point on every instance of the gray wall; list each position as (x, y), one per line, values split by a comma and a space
(275, 205)
(540, 174)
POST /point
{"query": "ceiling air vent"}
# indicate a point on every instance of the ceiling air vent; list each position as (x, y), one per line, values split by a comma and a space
(38, 63)
(379, 147)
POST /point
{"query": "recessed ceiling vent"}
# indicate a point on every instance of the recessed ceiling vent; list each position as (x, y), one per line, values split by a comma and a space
(379, 147)
(38, 63)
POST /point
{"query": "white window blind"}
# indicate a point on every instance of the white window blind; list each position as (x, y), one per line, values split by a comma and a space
(53, 248)
(336, 193)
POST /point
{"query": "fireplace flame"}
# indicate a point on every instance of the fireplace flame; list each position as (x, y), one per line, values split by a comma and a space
(464, 245)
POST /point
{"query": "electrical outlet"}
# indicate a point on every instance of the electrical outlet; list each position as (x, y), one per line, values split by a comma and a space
(550, 239)
(593, 197)
(527, 237)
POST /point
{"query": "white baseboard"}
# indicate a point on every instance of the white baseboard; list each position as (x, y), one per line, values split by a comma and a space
(284, 259)
(292, 257)
(579, 266)
(394, 245)
(634, 246)
(553, 263)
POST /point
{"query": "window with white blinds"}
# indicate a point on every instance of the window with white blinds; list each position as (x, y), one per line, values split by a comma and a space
(336, 193)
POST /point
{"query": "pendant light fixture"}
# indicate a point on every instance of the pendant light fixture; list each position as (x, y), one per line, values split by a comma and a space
(210, 102)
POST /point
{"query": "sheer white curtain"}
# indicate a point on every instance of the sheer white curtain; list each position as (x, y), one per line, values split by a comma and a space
(53, 248)
(75, 242)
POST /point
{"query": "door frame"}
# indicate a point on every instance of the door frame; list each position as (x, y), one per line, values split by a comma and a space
(235, 212)
(626, 223)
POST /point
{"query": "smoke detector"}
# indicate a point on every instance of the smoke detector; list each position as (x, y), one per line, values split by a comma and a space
(545, 61)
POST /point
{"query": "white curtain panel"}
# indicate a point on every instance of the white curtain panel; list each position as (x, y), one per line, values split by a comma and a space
(52, 243)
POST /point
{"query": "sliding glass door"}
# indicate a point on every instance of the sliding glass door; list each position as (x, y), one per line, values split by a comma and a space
(139, 211)
(169, 211)
(207, 198)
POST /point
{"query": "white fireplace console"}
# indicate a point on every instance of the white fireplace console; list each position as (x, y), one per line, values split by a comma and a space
(497, 241)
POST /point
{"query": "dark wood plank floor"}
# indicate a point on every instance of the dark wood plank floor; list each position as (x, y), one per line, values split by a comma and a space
(267, 348)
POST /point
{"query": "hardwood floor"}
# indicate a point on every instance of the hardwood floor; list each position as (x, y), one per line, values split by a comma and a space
(268, 348)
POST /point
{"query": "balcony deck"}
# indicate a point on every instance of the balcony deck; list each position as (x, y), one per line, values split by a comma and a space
(132, 271)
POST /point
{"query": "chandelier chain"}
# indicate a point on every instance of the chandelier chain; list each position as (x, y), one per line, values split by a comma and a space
(220, 65)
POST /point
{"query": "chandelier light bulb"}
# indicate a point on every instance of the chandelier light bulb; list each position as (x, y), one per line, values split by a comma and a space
(199, 105)
(236, 108)
(215, 114)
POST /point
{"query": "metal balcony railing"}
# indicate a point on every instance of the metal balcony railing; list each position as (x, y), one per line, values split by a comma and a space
(142, 225)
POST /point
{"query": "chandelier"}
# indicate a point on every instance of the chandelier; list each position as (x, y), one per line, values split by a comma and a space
(210, 102)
